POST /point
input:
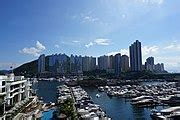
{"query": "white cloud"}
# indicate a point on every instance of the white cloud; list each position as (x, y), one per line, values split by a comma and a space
(57, 46)
(173, 47)
(76, 41)
(158, 2)
(102, 41)
(122, 51)
(123, 16)
(172, 63)
(40, 46)
(35, 51)
(112, 53)
(169, 47)
(146, 50)
(89, 45)
(90, 19)
(70, 42)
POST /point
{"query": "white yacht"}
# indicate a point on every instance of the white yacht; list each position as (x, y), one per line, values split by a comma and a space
(172, 113)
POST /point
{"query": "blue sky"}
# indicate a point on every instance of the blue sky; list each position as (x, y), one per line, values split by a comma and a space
(29, 28)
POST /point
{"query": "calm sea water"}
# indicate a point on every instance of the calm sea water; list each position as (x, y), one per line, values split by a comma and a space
(117, 108)
(47, 90)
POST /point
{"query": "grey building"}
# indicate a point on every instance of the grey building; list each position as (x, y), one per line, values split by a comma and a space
(75, 64)
(92, 63)
(159, 68)
(117, 64)
(52, 63)
(41, 63)
(135, 56)
(89, 63)
(124, 63)
(149, 64)
(103, 62)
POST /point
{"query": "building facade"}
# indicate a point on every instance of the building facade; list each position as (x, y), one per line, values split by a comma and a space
(41, 63)
(14, 89)
(89, 63)
(159, 68)
(118, 64)
(52, 63)
(149, 64)
(135, 56)
(103, 62)
(124, 63)
(76, 64)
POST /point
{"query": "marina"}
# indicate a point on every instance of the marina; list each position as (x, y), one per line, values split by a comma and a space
(146, 95)
(85, 107)
(115, 107)
(90, 60)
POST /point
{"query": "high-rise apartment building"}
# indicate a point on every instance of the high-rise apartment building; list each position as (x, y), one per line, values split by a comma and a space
(52, 63)
(103, 62)
(118, 64)
(162, 67)
(89, 63)
(124, 63)
(62, 64)
(76, 64)
(41, 63)
(86, 64)
(92, 63)
(149, 64)
(135, 56)
(159, 67)
(111, 64)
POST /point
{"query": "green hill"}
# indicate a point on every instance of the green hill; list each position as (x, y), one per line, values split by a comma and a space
(27, 69)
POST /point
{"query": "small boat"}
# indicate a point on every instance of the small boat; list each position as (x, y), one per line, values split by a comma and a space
(110, 93)
(97, 95)
(101, 89)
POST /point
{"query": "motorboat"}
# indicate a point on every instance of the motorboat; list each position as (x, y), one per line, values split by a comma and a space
(97, 95)
(172, 113)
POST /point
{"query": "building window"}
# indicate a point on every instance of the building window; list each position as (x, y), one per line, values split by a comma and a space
(11, 87)
(3, 83)
(3, 89)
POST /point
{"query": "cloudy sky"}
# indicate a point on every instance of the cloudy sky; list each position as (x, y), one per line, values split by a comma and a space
(29, 28)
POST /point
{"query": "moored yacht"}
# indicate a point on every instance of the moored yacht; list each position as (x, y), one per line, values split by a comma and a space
(172, 99)
(101, 89)
(141, 98)
(172, 113)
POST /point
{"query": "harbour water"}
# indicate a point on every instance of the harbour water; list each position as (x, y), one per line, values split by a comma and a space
(117, 108)
(46, 90)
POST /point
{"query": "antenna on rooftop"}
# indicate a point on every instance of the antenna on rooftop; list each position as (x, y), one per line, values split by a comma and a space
(11, 69)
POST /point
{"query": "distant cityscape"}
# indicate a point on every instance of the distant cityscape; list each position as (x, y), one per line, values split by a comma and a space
(62, 63)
